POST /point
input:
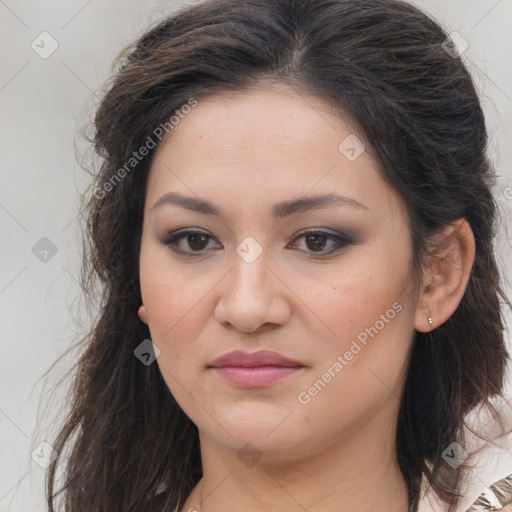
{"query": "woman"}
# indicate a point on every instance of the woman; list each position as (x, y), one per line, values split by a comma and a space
(293, 228)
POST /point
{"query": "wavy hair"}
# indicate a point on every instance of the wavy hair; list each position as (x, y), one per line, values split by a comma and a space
(384, 64)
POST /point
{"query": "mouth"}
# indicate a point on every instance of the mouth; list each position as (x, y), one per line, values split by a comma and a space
(256, 376)
(257, 369)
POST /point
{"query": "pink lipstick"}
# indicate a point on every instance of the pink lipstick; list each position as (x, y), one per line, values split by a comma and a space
(256, 369)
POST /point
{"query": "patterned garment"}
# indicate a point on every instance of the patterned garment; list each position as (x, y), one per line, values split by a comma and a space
(497, 497)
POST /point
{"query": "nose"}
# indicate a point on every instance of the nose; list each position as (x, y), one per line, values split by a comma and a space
(252, 295)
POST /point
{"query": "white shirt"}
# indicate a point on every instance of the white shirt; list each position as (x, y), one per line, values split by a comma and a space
(491, 466)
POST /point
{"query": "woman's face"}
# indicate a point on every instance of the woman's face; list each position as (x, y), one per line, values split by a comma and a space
(338, 304)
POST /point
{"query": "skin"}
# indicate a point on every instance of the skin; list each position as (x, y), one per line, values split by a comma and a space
(244, 153)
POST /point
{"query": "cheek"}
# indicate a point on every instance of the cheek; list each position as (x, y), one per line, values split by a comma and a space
(178, 303)
(361, 365)
(356, 295)
(177, 311)
(368, 309)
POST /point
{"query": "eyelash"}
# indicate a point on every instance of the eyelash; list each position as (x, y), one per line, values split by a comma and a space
(173, 238)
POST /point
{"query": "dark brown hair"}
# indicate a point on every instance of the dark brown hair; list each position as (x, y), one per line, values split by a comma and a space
(384, 64)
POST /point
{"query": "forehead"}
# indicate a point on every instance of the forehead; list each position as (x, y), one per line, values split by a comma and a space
(269, 118)
(268, 141)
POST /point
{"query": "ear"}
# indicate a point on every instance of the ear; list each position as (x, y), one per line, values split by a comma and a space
(143, 315)
(446, 274)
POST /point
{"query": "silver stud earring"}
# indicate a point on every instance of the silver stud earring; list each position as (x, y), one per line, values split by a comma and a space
(430, 321)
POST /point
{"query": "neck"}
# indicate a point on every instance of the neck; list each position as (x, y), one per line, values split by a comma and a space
(360, 472)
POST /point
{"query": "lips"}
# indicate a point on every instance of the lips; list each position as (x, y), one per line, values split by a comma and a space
(256, 369)
(252, 359)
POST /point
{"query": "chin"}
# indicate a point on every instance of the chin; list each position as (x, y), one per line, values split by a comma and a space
(265, 424)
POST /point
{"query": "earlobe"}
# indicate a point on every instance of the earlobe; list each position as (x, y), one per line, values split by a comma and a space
(143, 314)
(446, 275)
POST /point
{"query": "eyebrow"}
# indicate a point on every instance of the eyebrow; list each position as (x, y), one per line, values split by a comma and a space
(279, 210)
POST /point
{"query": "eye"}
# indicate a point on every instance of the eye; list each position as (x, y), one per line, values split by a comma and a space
(197, 241)
(316, 241)
(193, 242)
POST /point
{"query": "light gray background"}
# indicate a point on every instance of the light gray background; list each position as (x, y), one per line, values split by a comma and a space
(42, 102)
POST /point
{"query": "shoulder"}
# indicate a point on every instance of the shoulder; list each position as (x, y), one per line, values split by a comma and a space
(490, 481)
(496, 497)
(487, 485)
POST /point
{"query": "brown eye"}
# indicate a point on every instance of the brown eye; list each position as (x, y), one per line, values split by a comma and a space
(196, 241)
(188, 242)
(316, 241)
